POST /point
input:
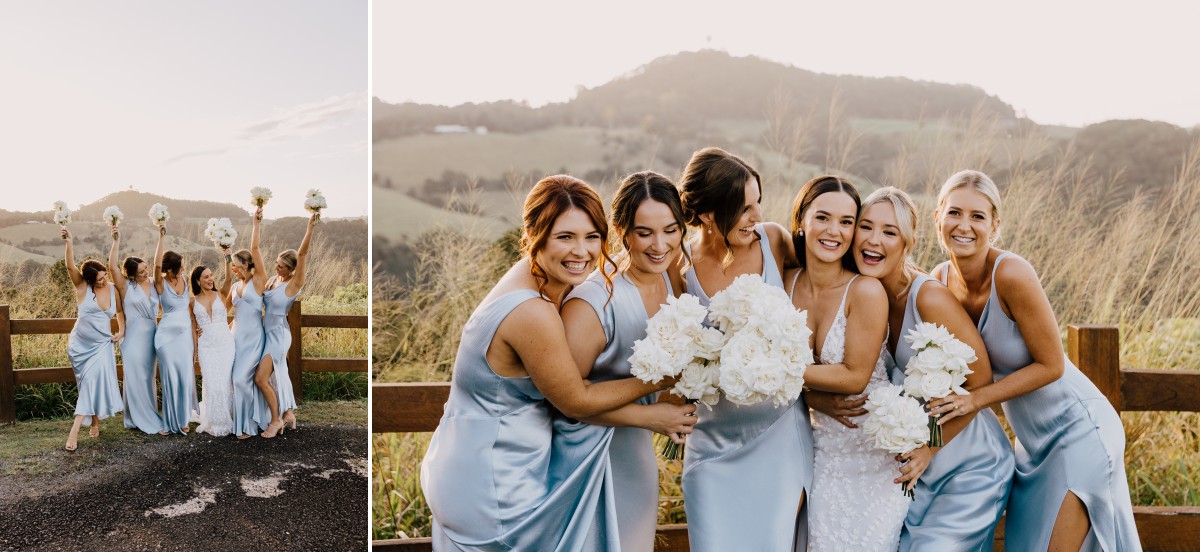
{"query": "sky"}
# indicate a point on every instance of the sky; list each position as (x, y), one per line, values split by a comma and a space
(1066, 62)
(193, 100)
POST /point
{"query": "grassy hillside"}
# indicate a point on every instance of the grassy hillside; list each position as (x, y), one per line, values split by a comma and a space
(403, 218)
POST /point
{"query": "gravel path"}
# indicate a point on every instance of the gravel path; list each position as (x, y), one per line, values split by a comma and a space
(305, 490)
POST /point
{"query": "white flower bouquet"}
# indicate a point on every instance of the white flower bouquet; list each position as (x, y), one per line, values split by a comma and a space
(159, 214)
(113, 215)
(314, 202)
(221, 232)
(766, 347)
(259, 196)
(896, 422)
(939, 368)
(677, 344)
(62, 215)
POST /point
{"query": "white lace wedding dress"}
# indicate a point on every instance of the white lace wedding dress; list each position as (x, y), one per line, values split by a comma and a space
(854, 505)
(215, 351)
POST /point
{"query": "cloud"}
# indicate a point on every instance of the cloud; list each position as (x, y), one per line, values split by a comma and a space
(203, 153)
(308, 119)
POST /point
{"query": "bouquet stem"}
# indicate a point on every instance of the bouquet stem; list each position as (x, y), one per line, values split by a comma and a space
(935, 432)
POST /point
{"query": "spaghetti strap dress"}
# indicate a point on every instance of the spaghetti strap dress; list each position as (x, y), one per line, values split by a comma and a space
(93, 357)
(248, 350)
(176, 365)
(277, 339)
(137, 356)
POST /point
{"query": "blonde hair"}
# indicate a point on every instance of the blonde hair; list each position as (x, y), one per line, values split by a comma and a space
(906, 215)
(982, 184)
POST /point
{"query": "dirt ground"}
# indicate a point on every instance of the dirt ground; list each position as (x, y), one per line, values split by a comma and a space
(304, 490)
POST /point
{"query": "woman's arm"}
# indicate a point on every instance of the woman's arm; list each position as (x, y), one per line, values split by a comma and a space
(260, 278)
(226, 281)
(114, 268)
(781, 246)
(1017, 285)
(158, 259)
(672, 420)
(296, 283)
(584, 333)
(534, 335)
(866, 328)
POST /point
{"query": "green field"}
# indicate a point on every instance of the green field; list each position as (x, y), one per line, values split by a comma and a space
(400, 217)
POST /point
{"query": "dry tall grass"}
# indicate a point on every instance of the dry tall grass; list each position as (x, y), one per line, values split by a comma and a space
(1132, 265)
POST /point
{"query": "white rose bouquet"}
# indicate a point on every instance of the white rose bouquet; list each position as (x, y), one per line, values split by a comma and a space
(938, 369)
(678, 345)
(314, 202)
(259, 196)
(766, 347)
(896, 422)
(62, 215)
(113, 215)
(159, 214)
(221, 232)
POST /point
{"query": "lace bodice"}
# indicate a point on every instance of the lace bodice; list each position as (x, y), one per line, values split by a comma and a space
(219, 314)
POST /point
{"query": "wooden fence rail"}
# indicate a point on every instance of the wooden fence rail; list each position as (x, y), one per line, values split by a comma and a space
(1095, 349)
(10, 378)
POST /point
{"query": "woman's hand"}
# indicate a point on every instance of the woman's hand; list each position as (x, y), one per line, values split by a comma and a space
(952, 407)
(199, 331)
(162, 229)
(835, 405)
(66, 234)
(673, 420)
(258, 213)
(914, 465)
(117, 337)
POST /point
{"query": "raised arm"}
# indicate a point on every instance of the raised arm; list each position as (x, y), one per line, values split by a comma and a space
(260, 277)
(114, 268)
(69, 256)
(226, 281)
(117, 337)
(534, 334)
(297, 282)
(159, 250)
(866, 329)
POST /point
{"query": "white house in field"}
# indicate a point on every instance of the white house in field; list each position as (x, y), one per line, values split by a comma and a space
(459, 129)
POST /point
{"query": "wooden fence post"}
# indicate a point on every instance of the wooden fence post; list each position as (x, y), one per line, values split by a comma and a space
(1096, 351)
(8, 383)
(293, 354)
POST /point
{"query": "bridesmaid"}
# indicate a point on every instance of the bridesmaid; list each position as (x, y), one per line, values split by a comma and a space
(736, 495)
(963, 485)
(601, 328)
(853, 503)
(281, 291)
(139, 301)
(1070, 491)
(497, 475)
(90, 347)
(173, 341)
(248, 341)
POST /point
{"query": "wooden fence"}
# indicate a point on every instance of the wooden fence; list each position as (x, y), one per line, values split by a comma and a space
(417, 407)
(11, 378)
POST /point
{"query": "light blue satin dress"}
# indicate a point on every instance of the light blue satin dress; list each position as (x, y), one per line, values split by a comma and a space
(499, 475)
(248, 344)
(746, 467)
(176, 360)
(634, 465)
(277, 341)
(962, 494)
(93, 357)
(1069, 439)
(137, 355)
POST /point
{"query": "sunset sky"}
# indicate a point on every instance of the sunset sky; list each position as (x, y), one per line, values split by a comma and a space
(1069, 62)
(196, 100)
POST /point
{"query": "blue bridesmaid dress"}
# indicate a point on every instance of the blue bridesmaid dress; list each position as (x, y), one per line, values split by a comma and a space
(746, 467)
(634, 465)
(498, 475)
(137, 355)
(1069, 439)
(277, 341)
(248, 350)
(176, 364)
(93, 358)
(961, 496)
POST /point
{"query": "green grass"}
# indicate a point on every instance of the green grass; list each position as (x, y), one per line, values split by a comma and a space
(400, 217)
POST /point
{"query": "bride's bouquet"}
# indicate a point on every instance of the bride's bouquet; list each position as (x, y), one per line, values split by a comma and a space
(113, 216)
(678, 345)
(159, 214)
(259, 196)
(938, 369)
(896, 422)
(314, 202)
(221, 232)
(62, 215)
(766, 351)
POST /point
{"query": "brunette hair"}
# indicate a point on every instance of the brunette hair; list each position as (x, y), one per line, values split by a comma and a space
(196, 274)
(550, 197)
(808, 193)
(172, 263)
(130, 265)
(714, 181)
(91, 269)
(288, 258)
(637, 188)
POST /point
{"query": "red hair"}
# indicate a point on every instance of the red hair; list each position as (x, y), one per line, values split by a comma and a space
(551, 197)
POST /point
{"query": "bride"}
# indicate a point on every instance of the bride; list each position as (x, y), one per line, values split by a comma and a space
(214, 347)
